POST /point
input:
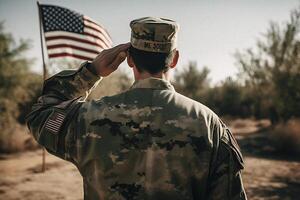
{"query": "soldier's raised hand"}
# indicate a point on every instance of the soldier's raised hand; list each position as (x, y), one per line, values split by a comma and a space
(110, 59)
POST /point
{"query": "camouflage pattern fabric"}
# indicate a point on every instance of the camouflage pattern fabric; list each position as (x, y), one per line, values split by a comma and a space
(154, 34)
(149, 142)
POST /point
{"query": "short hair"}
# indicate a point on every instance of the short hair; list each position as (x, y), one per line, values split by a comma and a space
(151, 62)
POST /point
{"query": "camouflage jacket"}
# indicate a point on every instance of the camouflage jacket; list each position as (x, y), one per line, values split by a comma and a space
(149, 142)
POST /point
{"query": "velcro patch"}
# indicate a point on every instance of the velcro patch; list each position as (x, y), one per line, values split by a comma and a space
(55, 122)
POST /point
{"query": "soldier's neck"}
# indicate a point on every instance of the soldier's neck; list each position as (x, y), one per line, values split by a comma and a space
(144, 75)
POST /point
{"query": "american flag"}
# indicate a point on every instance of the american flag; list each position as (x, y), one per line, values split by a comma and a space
(68, 33)
(55, 122)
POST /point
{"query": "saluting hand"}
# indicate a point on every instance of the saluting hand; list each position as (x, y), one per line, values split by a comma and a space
(110, 59)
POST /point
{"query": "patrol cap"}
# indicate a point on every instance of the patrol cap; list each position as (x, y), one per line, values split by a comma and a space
(154, 34)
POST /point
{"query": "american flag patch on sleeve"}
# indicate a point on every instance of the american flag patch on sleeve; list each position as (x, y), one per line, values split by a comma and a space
(55, 122)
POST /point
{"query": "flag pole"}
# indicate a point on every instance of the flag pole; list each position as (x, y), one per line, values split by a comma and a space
(44, 76)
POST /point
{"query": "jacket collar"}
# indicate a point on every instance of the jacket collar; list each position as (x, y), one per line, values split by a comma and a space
(154, 83)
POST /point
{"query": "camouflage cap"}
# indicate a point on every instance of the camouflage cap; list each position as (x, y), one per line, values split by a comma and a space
(154, 34)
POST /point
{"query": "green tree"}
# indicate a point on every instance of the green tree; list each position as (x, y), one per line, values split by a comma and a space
(18, 86)
(192, 82)
(271, 70)
(226, 98)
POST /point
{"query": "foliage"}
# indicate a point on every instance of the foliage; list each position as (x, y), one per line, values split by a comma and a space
(19, 87)
(227, 98)
(272, 69)
(286, 137)
(191, 82)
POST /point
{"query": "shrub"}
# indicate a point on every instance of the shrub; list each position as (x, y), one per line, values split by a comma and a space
(286, 137)
(15, 139)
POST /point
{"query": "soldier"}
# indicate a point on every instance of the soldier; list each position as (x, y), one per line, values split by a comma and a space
(149, 142)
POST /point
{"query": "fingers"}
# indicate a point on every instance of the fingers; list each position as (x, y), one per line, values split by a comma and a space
(118, 60)
(114, 51)
(110, 59)
(111, 54)
(117, 49)
(123, 47)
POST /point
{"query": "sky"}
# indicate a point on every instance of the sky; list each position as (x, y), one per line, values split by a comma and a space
(211, 31)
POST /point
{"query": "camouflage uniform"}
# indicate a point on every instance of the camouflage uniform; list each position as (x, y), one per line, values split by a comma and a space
(149, 142)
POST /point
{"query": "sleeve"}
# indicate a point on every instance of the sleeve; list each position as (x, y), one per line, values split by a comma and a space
(226, 180)
(52, 118)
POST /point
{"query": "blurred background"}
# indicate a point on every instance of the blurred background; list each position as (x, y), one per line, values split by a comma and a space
(241, 58)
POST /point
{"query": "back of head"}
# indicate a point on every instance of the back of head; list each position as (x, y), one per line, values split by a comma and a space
(153, 43)
(151, 62)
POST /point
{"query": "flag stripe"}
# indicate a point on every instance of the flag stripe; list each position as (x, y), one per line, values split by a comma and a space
(73, 38)
(53, 130)
(61, 116)
(52, 127)
(91, 21)
(90, 26)
(81, 37)
(73, 43)
(100, 33)
(96, 37)
(53, 123)
(70, 55)
(73, 47)
(88, 19)
(72, 51)
(98, 29)
(95, 33)
(57, 119)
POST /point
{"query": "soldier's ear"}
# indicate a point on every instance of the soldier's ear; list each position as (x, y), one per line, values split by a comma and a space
(130, 60)
(175, 59)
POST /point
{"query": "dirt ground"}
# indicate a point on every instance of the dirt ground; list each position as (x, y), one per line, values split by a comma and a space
(266, 176)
